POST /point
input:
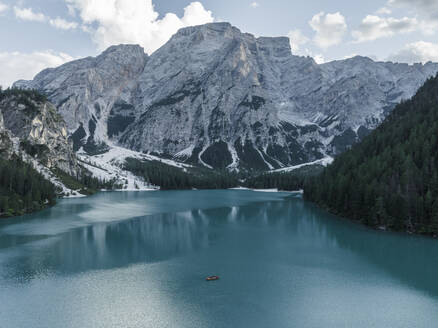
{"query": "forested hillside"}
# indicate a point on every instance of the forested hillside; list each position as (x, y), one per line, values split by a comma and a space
(169, 177)
(389, 180)
(23, 189)
(286, 181)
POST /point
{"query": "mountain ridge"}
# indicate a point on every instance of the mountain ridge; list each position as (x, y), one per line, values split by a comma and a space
(218, 97)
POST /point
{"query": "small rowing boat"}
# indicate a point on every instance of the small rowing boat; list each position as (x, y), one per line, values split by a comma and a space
(212, 278)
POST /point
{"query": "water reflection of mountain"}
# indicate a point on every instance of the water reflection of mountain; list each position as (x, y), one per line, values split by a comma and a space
(146, 239)
(105, 246)
(308, 234)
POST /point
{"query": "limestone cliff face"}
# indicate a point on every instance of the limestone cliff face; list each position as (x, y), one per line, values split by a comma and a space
(5, 140)
(222, 98)
(93, 94)
(33, 126)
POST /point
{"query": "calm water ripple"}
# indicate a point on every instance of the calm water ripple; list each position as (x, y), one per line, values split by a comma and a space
(140, 260)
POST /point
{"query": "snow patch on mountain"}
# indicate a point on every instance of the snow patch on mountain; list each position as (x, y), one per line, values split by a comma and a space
(235, 158)
(200, 158)
(110, 166)
(185, 153)
(323, 162)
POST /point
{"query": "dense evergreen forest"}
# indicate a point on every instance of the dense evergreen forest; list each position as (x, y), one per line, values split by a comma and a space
(23, 189)
(169, 177)
(287, 181)
(390, 180)
(85, 183)
(25, 96)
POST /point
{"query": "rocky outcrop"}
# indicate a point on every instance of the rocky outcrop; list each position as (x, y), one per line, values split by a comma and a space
(32, 125)
(5, 140)
(216, 96)
(92, 94)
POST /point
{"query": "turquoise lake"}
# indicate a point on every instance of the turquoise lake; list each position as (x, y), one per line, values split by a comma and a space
(139, 259)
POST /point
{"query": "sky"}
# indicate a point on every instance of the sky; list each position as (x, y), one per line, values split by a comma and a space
(37, 34)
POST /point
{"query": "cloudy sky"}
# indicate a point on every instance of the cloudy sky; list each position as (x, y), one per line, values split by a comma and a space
(37, 34)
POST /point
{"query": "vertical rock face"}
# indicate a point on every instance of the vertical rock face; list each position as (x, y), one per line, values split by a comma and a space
(93, 91)
(5, 139)
(39, 130)
(216, 96)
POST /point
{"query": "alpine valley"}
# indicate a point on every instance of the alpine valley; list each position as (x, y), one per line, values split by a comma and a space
(212, 108)
(188, 174)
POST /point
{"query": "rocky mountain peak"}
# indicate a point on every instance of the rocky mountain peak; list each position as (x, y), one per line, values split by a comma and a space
(221, 29)
(124, 49)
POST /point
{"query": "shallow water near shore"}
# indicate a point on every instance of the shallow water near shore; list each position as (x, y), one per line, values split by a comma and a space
(140, 259)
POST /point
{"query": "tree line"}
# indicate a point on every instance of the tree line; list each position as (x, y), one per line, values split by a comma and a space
(85, 183)
(169, 177)
(287, 181)
(23, 189)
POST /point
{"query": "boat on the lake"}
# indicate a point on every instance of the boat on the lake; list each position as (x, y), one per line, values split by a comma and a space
(212, 278)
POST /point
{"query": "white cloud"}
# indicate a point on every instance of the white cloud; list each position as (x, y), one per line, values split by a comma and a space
(349, 56)
(384, 11)
(17, 65)
(329, 28)
(374, 27)
(417, 52)
(428, 8)
(135, 21)
(71, 10)
(254, 4)
(29, 15)
(62, 24)
(319, 59)
(423, 18)
(426, 11)
(297, 43)
(195, 14)
(297, 39)
(3, 7)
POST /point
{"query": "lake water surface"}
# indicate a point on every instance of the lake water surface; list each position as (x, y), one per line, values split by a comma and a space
(139, 259)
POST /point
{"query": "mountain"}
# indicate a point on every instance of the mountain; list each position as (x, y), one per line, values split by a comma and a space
(31, 127)
(390, 179)
(218, 97)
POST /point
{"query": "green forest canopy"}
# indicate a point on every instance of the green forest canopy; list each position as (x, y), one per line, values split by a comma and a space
(23, 189)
